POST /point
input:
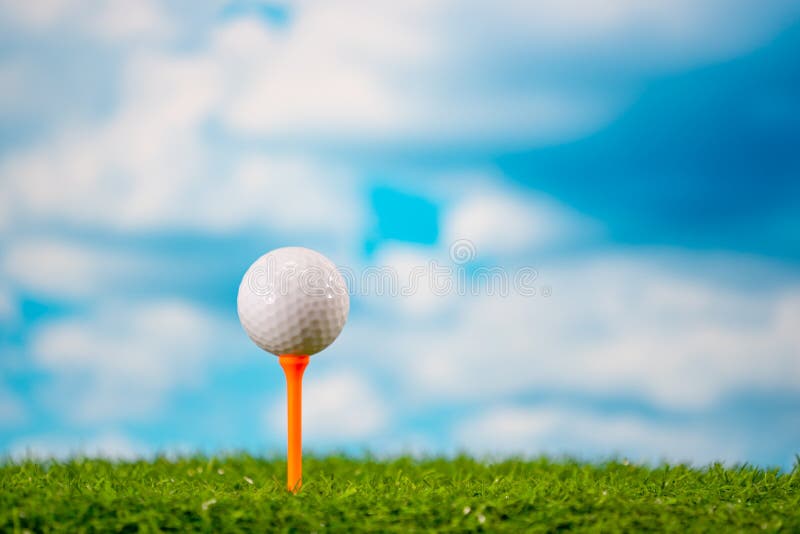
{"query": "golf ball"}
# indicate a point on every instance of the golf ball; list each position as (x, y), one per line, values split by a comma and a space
(293, 300)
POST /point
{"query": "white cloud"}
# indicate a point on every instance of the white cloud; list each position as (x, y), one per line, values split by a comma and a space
(440, 72)
(336, 408)
(107, 20)
(161, 185)
(400, 279)
(117, 20)
(648, 35)
(138, 169)
(362, 58)
(327, 73)
(68, 269)
(625, 326)
(661, 327)
(150, 164)
(288, 195)
(122, 361)
(503, 221)
(385, 72)
(504, 430)
(36, 15)
(108, 445)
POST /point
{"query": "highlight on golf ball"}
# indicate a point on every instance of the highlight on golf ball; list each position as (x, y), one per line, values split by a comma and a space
(293, 300)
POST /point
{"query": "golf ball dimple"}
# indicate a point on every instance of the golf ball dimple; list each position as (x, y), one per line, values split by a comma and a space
(293, 300)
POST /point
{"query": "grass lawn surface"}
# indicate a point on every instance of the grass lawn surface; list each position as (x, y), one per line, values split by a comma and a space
(246, 494)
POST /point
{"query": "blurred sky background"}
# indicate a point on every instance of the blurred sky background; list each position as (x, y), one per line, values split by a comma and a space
(643, 157)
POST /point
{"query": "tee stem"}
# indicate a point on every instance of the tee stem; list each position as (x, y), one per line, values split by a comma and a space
(293, 367)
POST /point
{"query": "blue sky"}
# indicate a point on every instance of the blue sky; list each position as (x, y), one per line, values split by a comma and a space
(642, 159)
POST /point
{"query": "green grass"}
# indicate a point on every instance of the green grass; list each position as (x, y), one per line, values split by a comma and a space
(242, 493)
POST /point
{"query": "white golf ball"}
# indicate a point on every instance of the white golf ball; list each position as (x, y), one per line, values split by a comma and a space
(293, 300)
